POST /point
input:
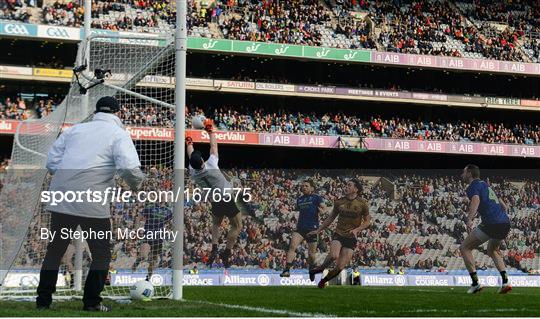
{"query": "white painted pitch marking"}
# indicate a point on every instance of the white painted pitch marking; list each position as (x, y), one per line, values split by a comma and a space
(262, 309)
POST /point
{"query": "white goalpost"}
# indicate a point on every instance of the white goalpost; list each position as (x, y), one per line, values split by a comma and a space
(127, 67)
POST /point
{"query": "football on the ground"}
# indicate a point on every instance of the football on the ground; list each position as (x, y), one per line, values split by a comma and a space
(142, 290)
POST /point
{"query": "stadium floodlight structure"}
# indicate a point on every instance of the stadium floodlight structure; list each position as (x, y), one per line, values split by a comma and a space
(144, 72)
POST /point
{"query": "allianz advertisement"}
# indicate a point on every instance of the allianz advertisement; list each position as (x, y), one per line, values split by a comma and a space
(444, 280)
(234, 279)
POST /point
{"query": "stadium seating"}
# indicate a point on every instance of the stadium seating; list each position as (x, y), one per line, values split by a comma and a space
(403, 232)
(478, 29)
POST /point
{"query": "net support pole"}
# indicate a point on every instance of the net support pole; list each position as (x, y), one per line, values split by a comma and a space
(78, 264)
(180, 45)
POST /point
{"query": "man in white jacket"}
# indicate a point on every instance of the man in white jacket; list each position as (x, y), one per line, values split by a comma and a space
(85, 157)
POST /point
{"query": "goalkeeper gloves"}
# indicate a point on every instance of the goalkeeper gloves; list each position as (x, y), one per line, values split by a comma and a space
(209, 125)
(189, 140)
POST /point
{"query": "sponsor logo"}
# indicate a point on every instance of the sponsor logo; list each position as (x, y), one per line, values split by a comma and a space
(57, 33)
(296, 280)
(156, 280)
(282, 50)
(383, 281)
(235, 84)
(19, 29)
(196, 280)
(239, 280)
(524, 281)
(147, 133)
(210, 44)
(350, 55)
(316, 89)
(322, 53)
(263, 280)
(6, 126)
(431, 281)
(492, 281)
(126, 280)
(226, 136)
(253, 47)
(400, 280)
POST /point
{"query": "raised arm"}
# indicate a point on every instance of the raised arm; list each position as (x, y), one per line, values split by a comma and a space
(189, 146)
(209, 127)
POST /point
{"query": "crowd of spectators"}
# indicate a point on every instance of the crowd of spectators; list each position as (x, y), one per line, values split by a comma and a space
(421, 208)
(275, 21)
(18, 108)
(339, 123)
(16, 10)
(13, 108)
(423, 27)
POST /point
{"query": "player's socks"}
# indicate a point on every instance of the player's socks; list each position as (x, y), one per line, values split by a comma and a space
(331, 274)
(504, 277)
(286, 271)
(474, 277)
(316, 270)
(321, 268)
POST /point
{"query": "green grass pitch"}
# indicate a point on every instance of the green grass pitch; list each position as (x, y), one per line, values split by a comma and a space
(310, 301)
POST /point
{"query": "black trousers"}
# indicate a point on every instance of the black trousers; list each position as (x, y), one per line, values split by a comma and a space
(99, 248)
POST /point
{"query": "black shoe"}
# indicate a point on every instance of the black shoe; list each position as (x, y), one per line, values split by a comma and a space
(312, 273)
(43, 307)
(285, 274)
(311, 276)
(98, 308)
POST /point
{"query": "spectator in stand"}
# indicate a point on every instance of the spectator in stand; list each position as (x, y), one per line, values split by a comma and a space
(16, 10)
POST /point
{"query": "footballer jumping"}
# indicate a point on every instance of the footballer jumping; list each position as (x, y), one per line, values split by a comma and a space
(207, 174)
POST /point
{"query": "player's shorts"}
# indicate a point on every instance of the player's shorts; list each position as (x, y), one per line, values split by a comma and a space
(313, 238)
(347, 242)
(224, 208)
(486, 232)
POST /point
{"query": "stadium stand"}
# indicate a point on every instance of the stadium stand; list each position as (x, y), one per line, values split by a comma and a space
(16, 10)
(419, 227)
(477, 29)
(19, 108)
(340, 123)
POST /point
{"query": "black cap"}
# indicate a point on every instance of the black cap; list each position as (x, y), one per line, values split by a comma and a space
(107, 104)
(195, 160)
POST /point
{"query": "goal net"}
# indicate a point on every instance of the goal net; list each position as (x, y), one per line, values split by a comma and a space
(139, 72)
